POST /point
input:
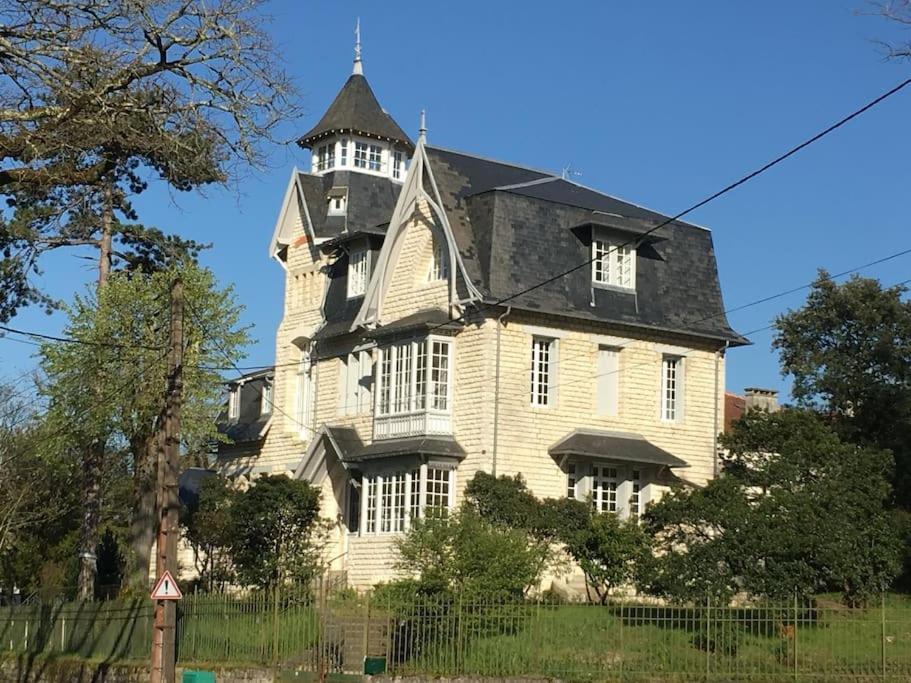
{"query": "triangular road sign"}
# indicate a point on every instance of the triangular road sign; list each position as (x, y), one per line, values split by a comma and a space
(166, 588)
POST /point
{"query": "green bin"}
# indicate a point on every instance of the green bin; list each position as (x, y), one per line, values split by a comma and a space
(373, 666)
(198, 677)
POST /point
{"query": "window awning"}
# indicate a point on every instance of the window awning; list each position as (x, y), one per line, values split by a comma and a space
(442, 446)
(622, 446)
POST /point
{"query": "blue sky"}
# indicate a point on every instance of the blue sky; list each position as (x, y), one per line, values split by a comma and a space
(660, 103)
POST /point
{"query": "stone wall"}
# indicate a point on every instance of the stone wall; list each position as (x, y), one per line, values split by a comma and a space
(25, 669)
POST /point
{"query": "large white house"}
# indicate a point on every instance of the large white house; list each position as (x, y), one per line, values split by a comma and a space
(446, 313)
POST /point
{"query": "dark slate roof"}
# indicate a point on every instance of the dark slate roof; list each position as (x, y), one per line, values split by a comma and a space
(355, 109)
(614, 446)
(430, 318)
(431, 445)
(516, 227)
(190, 482)
(250, 421)
(371, 200)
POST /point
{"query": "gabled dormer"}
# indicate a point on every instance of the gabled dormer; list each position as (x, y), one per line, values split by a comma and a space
(356, 134)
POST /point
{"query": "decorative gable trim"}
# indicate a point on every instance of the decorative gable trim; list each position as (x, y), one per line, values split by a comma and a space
(419, 179)
(281, 236)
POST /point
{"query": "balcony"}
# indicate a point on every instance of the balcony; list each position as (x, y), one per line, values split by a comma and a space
(416, 423)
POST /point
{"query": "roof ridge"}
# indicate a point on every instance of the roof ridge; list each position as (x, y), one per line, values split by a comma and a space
(529, 183)
(491, 160)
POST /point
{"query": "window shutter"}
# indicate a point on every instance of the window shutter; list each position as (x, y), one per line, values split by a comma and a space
(365, 380)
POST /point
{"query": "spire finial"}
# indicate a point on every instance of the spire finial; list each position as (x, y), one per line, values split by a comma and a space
(358, 67)
(422, 131)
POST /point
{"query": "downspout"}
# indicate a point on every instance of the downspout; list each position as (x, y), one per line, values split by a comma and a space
(496, 394)
(718, 355)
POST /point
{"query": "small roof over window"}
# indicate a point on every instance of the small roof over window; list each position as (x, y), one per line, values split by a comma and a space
(620, 446)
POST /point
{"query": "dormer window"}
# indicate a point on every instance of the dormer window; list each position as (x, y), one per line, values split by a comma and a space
(265, 406)
(613, 263)
(358, 272)
(338, 201)
(234, 402)
(325, 157)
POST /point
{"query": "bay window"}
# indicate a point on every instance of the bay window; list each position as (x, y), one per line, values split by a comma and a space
(414, 393)
(393, 499)
(610, 488)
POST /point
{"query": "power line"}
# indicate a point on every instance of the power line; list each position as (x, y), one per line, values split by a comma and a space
(73, 340)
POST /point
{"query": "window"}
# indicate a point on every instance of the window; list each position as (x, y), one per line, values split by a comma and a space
(234, 402)
(438, 262)
(358, 272)
(355, 382)
(397, 165)
(671, 388)
(404, 385)
(338, 201)
(635, 482)
(374, 158)
(607, 381)
(360, 155)
(613, 263)
(343, 152)
(265, 406)
(304, 402)
(354, 504)
(571, 481)
(392, 499)
(542, 357)
(325, 157)
(604, 488)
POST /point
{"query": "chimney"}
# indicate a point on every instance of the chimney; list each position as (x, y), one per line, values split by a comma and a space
(763, 399)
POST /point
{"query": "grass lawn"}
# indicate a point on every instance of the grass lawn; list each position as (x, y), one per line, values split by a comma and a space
(581, 642)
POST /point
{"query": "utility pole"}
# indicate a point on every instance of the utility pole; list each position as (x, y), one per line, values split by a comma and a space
(164, 632)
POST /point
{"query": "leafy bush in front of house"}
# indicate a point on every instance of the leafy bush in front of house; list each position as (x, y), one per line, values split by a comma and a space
(797, 511)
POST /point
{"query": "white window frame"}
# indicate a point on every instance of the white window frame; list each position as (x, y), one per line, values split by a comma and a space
(375, 158)
(671, 397)
(439, 261)
(392, 498)
(361, 150)
(544, 352)
(397, 165)
(325, 157)
(607, 381)
(265, 405)
(343, 152)
(303, 409)
(234, 402)
(573, 479)
(355, 380)
(605, 488)
(358, 272)
(613, 262)
(415, 376)
(338, 206)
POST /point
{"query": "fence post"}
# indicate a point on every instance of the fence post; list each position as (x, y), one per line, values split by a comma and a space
(275, 598)
(796, 617)
(459, 653)
(367, 630)
(882, 604)
(622, 653)
(708, 635)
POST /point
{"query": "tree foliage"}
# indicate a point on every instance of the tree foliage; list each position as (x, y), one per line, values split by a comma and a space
(276, 534)
(797, 511)
(206, 520)
(100, 96)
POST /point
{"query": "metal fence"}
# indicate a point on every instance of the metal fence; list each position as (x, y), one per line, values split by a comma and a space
(303, 630)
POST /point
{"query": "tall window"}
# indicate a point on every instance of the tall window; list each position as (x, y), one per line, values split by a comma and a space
(343, 152)
(325, 157)
(438, 262)
(358, 272)
(234, 402)
(542, 358)
(415, 376)
(355, 383)
(607, 381)
(304, 403)
(397, 165)
(265, 406)
(613, 263)
(671, 388)
(604, 488)
(392, 499)
(354, 504)
(571, 481)
(635, 487)
(360, 154)
(374, 158)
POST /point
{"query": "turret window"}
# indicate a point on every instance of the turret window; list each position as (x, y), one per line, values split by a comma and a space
(325, 156)
(343, 152)
(360, 154)
(374, 161)
(397, 165)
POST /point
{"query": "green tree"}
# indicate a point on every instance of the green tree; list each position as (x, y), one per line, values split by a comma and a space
(122, 339)
(797, 510)
(848, 351)
(206, 520)
(277, 534)
(101, 97)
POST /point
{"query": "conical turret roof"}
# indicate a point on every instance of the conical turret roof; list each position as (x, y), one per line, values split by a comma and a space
(356, 110)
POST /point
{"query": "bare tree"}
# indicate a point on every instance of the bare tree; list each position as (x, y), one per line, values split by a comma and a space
(898, 11)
